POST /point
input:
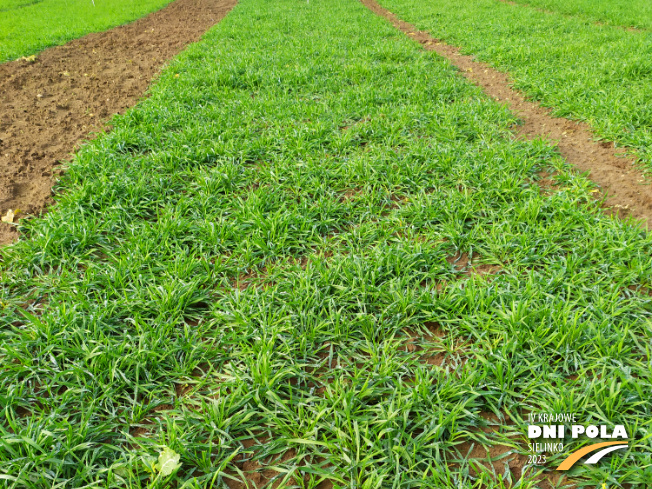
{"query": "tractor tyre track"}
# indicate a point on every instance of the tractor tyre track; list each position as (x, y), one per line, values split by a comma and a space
(49, 106)
(623, 186)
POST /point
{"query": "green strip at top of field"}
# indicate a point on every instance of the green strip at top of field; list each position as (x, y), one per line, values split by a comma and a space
(29, 26)
(596, 73)
(316, 247)
(625, 13)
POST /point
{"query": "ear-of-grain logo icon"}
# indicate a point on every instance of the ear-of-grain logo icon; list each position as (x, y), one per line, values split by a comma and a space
(607, 447)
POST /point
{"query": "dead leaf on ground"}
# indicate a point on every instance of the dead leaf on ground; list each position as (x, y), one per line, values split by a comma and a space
(168, 462)
(8, 217)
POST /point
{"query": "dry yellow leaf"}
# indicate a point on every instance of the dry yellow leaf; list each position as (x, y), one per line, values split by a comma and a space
(8, 217)
(168, 462)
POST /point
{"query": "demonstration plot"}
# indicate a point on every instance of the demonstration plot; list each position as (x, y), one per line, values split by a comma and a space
(28, 26)
(621, 189)
(595, 73)
(316, 257)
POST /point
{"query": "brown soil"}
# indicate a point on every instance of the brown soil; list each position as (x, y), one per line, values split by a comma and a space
(258, 474)
(49, 106)
(623, 185)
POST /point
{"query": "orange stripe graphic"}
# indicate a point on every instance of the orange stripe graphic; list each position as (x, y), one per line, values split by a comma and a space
(575, 456)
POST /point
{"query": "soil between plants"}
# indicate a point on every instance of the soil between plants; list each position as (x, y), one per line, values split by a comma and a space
(624, 188)
(49, 106)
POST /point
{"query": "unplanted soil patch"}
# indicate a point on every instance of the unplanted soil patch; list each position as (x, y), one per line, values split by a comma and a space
(47, 107)
(624, 188)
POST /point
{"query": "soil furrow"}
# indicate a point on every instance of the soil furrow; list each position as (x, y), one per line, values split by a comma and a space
(47, 107)
(623, 186)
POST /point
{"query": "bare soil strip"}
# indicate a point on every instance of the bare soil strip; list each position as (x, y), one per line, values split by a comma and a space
(627, 193)
(47, 107)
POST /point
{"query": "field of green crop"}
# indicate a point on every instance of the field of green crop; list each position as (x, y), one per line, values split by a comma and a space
(28, 26)
(596, 73)
(316, 247)
(625, 13)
